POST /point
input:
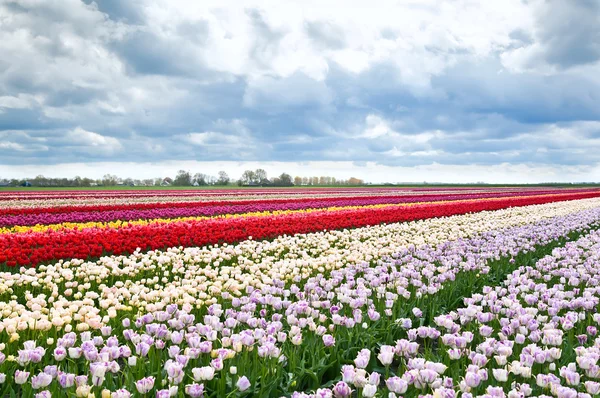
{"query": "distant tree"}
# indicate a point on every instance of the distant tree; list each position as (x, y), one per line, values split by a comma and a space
(260, 176)
(39, 181)
(315, 181)
(322, 180)
(298, 180)
(248, 177)
(183, 179)
(211, 180)
(158, 181)
(223, 178)
(355, 181)
(109, 180)
(285, 180)
(200, 179)
(305, 180)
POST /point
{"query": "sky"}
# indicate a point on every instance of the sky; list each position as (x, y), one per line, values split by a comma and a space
(387, 91)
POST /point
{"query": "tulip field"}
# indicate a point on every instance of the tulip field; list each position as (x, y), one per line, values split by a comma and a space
(302, 292)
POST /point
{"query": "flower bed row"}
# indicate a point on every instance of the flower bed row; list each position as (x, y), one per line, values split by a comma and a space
(128, 200)
(28, 203)
(9, 206)
(145, 211)
(34, 248)
(67, 194)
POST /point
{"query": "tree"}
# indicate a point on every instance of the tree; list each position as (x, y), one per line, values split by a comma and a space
(285, 180)
(223, 178)
(109, 180)
(355, 181)
(211, 180)
(260, 176)
(200, 179)
(40, 181)
(298, 180)
(183, 179)
(248, 177)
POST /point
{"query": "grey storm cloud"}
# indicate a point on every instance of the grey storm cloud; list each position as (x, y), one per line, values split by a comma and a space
(137, 81)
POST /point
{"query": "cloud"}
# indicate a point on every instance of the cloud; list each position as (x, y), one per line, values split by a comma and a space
(275, 95)
(510, 84)
(81, 137)
(570, 32)
(325, 34)
(567, 35)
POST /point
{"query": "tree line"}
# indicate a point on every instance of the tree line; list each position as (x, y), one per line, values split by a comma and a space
(257, 178)
(111, 180)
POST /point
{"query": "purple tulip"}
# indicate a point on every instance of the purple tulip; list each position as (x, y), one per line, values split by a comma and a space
(328, 340)
(341, 389)
(243, 383)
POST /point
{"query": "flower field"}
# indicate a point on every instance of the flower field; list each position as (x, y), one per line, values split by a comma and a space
(383, 292)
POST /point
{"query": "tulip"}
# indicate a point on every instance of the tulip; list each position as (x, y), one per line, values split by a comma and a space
(144, 385)
(40, 380)
(328, 340)
(386, 355)
(500, 375)
(203, 373)
(21, 377)
(396, 385)
(194, 390)
(341, 390)
(243, 383)
(369, 390)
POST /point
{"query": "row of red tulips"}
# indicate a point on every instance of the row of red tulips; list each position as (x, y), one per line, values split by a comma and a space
(30, 249)
(144, 211)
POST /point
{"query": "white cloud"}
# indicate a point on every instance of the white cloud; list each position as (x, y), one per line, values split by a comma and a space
(212, 138)
(12, 146)
(22, 101)
(380, 128)
(93, 141)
